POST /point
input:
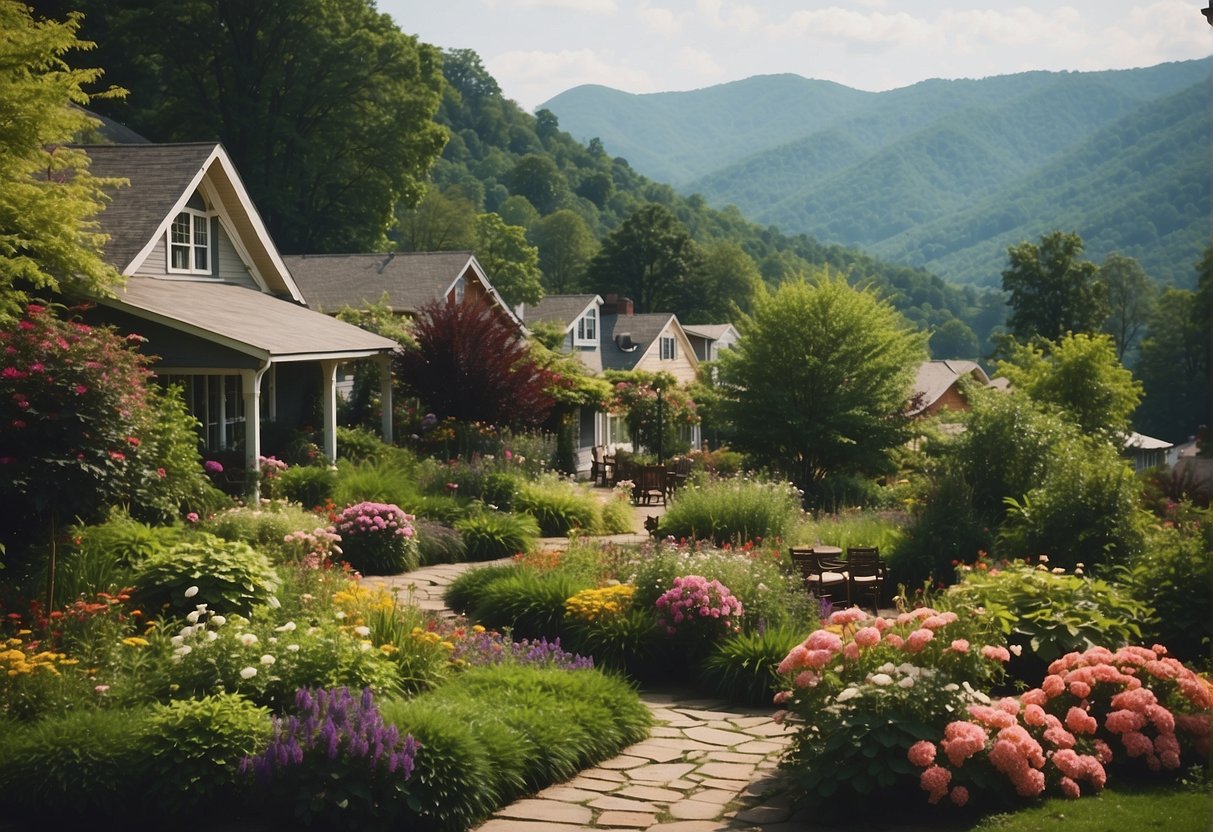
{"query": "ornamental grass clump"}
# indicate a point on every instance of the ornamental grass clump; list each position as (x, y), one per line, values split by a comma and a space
(731, 511)
(1097, 713)
(377, 538)
(336, 762)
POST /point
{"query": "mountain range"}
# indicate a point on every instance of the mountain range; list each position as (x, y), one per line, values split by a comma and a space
(940, 174)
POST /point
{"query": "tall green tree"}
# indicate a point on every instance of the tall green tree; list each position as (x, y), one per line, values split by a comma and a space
(1081, 376)
(729, 277)
(536, 177)
(565, 248)
(650, 258)
(48, 199)
(1052, 291)
(820, 379)
(325, 105)
(1130, 297)
(442, 221)
(1174, 366)
(511, 263)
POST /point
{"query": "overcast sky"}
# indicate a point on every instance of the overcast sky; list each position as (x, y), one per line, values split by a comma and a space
(538, 48)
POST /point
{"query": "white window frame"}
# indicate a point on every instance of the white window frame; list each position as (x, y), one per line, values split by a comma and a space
(587, 329)
(460, 289)
(196, 241)
(669, 348)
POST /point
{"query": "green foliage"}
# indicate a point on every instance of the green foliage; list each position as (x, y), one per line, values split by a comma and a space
(1052, 292)
(490, 535)
(49, 200)
(1048, 613)
(1131, 295)
(505, 254)
(464, 591)
(565, 246)
(175, 482)
(819, 381)
(651, 258)
(731, 511)
(361, 445)
(557, 505)
(742, 667)
(635, 394)
(630, 642)
(229, 576)
(194, 748)
(263, 527)
(380, 482)
(1081, 375)
(945, 529)
(850, 528)
(1173, 351)
(1172, 574)
(103, 557)
(308, 485)
(437, 543)
(616, 517)
(79, 764)
(529, 604)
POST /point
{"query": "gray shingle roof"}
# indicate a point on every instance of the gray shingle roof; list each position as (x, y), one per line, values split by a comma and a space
(710, 331)
(642, 327)
(410, 280)
(935, 377)
(559, 309)
(159, 174)
(245, 319)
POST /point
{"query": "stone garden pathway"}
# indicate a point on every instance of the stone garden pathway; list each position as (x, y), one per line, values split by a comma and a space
(705, 766)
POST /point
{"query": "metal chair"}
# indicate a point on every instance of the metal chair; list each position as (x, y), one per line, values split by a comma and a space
(824, 576)
(865, 575)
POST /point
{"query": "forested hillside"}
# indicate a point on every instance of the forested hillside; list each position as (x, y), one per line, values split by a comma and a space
(943, 174)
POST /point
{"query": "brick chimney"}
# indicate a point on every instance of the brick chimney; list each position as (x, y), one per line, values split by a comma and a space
(613, 304)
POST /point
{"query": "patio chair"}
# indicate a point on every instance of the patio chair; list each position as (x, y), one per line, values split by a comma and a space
(866, 574)
(599, 469)
(823, 575)
(649, 485)
(678, 471)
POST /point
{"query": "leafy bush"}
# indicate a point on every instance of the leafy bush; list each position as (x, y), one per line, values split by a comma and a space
(379, 482)
(194, 751)
(630, 641)
(361, 445)
(742, 667)
(263, 527)
(491, 535)
(530, 604)
(377, 538)
(103, 558)
(500, 489)
(77, 765)
(616, 517)
(731, 511)
(308, 485)
(441, 508)
(229, 576)
(557, 505)
(1047, 614)
(945, 529)
(463, 592)
(437, 543)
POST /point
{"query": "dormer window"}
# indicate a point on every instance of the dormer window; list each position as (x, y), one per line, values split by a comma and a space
(189, 243)
(587, 329)
(668, 349)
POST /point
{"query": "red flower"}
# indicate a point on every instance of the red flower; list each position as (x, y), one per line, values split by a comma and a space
(117, 455)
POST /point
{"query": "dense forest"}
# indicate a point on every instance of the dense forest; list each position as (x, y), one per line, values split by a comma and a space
(941, 174)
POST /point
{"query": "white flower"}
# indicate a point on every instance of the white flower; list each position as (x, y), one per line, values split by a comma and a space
(340, 615)
(248, 639)
(1017, 649)
(1057, 570)
(364, 646)
(218, 620)
(294, 648)
(272, 639)
(192, 617)
(191, 592)
(887, 667)
(274, 602)
(847, 693)
(211, 635)
(1044, 558)
(183, 650)
(363, 631)
(881, 679)
(267, 659)
(906, 682)
(176, 640)
(288, 627)
(248, 673)
(200, 607)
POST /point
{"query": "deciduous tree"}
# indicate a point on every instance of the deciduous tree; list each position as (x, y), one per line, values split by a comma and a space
(1130, 297)
(565, 247)
(1052, 291)
(1174, 367)
(820, 379)
(511, 263)
(650, 258)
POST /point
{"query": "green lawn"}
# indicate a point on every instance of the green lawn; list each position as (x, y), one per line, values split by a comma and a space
(1116, 810)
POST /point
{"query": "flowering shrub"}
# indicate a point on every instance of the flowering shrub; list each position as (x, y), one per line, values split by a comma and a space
(862, 691)
(634, 396)
(337, 762)
(1095, 710)
(377, 538)
(699, 607)
(596, 605)
(270, 470)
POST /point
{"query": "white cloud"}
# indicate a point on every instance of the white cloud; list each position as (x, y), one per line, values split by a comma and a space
(737, 17)
(855, 28)
(971, 30)
(591, 6)
(537, 76)
(698, 63)
(660, 20)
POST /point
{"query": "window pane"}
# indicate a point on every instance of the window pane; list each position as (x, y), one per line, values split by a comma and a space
(201, 230)
(181, 228)
(201, 256)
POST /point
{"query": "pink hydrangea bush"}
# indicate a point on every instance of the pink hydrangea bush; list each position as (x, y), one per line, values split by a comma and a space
(696, 607)
(862, 691)
(1096, 710)
(377, 538)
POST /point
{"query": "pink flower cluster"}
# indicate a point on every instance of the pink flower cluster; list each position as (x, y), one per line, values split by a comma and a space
(694, 597)
(374, 518)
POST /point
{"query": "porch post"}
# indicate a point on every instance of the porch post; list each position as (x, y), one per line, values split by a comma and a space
(250, 382)
(385, 395)
(328, 395)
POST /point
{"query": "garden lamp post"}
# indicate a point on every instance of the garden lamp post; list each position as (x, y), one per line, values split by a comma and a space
(660, 427)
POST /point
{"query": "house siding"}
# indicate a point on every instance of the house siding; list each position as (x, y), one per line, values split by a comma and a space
(680, 367)
(231, 268)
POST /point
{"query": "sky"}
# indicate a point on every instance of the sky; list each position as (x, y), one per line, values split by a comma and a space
(536, 49)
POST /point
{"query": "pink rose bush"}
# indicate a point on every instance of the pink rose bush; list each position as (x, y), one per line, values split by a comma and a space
(376, 538)
(1096, 711)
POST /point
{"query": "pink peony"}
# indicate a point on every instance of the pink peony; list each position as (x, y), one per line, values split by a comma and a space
(867, 636)
(847, 616)
(959, 645)
(918, 640)
(998, 654)
(1069, 788)
(961, 740)
(935, 781)
(823, 640)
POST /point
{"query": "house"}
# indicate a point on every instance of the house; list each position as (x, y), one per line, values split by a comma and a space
(606, 334)
(937, 386)
(404, 281)
(1146, 452)
(219, 310)
(709, 339)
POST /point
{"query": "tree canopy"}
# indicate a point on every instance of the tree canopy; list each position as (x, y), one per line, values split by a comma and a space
(820, 379)
(1052, 291)
(510, 261)
(325, 106)
(650, 258)
(1130, 298)
(48, 199)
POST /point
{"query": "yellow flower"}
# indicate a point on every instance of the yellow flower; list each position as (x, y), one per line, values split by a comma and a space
(135, 641)
(387, 649)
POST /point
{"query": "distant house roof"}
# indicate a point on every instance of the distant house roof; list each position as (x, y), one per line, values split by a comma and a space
(1140, 442)
(408, 280)
(560, 309)
(935, 378)
(712, 332)
(641, 330)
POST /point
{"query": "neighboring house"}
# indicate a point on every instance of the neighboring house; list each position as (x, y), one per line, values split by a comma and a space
(405, 281)
(218, 308)
(605, 334)
(709, 339)
(937, 387)
(1145, 451)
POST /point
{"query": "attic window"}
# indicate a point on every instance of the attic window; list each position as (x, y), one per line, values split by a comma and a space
(668, 349)
(587, 329)
(189, 243)
(460, 287)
